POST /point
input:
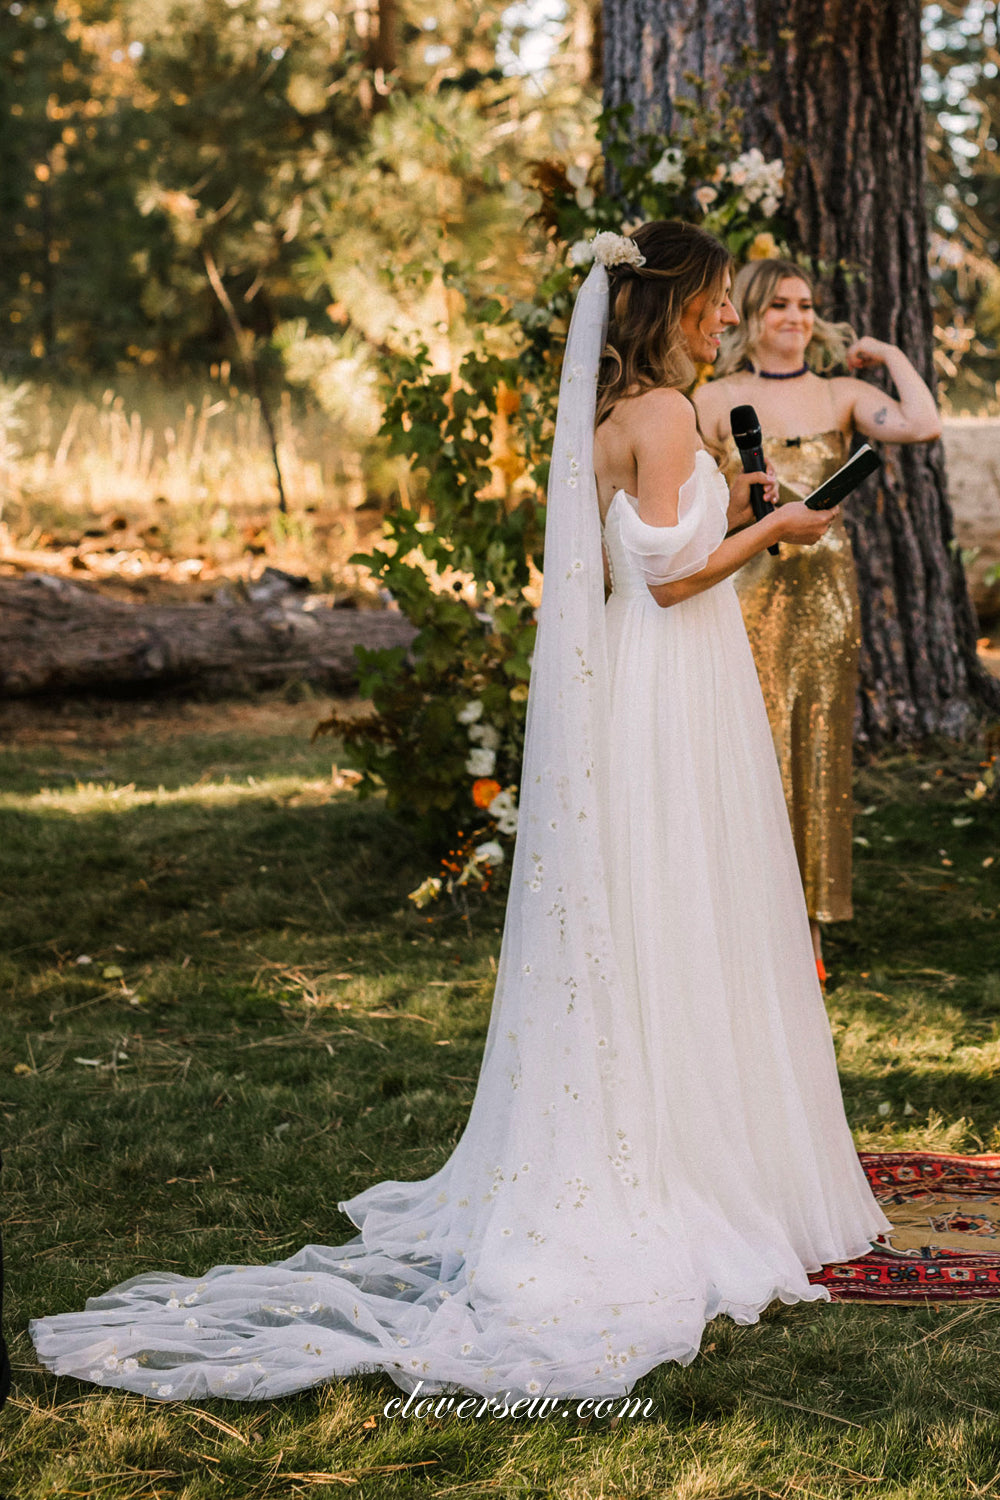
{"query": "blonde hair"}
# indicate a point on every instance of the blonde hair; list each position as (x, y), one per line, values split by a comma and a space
(753, 292)
(645, 348)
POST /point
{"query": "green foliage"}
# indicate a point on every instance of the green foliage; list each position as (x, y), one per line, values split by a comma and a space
(242, 113)
(460, 578)
(699, 173)
(171, 169)
(460, 556)
(272, 188)
(148, 136)
(408, 237)
(54, 160)
(300, 147)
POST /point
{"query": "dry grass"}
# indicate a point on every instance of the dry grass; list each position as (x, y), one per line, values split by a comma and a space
(138, 484)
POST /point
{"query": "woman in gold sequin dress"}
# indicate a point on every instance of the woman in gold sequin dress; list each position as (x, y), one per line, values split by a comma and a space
(801, 608)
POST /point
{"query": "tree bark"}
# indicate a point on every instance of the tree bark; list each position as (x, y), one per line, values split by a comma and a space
(385, 43)
(585, 45)
(58, 638)
(840, 103)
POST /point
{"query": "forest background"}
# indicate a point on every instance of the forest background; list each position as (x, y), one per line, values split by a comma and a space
(209, 200)
(277, 273)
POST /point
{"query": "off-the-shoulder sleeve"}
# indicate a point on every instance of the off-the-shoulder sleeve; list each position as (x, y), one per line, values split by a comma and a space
(664, 554)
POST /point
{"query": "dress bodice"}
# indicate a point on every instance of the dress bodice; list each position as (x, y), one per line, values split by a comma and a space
(640, 555)
(802, 463)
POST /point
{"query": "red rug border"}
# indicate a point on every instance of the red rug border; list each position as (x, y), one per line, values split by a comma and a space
(899, 1279)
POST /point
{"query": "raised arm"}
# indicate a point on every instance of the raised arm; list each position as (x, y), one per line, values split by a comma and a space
(913, 418)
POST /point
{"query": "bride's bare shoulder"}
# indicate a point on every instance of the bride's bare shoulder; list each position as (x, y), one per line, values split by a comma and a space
(635, 419)
(662, 398)
(661, 405)
(648, 432)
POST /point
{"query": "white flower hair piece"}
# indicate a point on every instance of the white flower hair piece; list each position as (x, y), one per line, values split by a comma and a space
(612, 249)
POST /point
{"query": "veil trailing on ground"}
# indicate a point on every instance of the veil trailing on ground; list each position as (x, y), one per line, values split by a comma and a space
(519, 1266)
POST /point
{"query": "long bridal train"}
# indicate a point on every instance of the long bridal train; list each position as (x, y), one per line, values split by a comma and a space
(657, 1134)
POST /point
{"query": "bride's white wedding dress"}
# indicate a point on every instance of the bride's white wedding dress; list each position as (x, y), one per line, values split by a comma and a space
(657, 1134)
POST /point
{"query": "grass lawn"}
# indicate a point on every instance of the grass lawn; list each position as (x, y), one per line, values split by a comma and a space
(266, 1025)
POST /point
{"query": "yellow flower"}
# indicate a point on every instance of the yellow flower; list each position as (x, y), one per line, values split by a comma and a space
(426, 892)
(762, 247)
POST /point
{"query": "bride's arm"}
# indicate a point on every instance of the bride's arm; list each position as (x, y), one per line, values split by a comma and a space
(664, 439)
(664, 444)
(793, 522)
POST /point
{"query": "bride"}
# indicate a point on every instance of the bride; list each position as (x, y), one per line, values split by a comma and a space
(657, 1134)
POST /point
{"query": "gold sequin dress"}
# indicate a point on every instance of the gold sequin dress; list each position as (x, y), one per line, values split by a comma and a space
(803, 618)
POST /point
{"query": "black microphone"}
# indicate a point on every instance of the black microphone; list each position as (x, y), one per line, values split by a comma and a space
(748, 438)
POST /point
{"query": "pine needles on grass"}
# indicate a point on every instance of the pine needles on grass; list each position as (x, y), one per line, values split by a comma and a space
(265, 1026)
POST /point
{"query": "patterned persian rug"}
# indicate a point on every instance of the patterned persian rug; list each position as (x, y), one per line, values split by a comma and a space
(945, 1240)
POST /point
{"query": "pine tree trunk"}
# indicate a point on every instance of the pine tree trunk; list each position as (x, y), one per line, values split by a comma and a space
(840, 103)
(385, 46)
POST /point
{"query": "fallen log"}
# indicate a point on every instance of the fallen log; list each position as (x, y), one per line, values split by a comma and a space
(56, 637)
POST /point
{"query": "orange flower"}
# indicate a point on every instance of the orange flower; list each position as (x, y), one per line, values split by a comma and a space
(508, 401)
(484, 790)
(511, 466)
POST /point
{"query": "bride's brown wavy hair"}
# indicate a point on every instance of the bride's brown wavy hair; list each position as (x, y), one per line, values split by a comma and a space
(645, 348)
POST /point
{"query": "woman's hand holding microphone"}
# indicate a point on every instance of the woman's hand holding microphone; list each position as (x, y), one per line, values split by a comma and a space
(794, 522)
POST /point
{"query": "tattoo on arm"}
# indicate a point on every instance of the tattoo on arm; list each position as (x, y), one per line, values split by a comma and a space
(881, 416)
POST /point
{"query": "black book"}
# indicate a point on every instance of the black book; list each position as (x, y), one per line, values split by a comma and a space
(839, 485)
